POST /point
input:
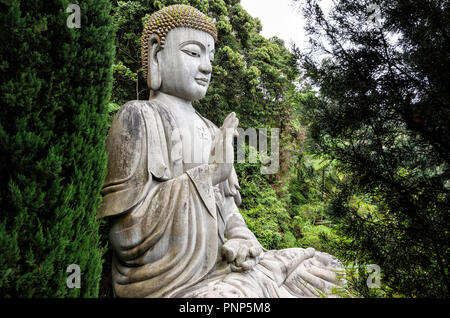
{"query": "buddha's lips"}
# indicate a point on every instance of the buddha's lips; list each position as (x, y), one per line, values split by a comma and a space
(202, 81)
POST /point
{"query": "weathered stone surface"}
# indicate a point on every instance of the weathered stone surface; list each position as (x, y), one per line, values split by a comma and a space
(176, 228)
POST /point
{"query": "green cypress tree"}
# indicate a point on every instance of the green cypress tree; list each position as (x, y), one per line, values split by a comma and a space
(55, 82)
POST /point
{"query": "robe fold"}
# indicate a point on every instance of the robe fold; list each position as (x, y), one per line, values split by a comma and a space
(169, 225)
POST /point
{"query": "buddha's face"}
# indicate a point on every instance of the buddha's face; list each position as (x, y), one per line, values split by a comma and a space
(185, 63)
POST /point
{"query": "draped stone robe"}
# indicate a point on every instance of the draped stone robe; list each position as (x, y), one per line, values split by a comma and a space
(169, 225)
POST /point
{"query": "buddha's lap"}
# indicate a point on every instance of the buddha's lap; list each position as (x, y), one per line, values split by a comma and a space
(280, 273)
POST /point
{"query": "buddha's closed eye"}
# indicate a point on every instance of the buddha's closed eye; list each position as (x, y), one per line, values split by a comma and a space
(191, 50)
(191, 53)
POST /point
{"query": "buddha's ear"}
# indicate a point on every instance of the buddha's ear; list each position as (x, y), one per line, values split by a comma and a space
(154, 69)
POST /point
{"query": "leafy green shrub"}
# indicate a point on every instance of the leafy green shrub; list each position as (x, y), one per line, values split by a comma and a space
(265, 214)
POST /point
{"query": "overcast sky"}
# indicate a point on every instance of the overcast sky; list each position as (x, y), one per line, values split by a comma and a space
(280, 18)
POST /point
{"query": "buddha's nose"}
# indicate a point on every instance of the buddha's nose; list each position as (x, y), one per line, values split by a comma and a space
(205, 67)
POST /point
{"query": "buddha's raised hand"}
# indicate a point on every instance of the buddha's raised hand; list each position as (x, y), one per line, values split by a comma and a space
(222, 150)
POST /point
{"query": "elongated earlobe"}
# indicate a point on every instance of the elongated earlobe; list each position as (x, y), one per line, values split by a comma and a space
(154, 73)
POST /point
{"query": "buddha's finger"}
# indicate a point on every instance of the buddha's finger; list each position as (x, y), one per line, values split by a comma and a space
(301, 256)
(337, 270)
(228, 122)
(248, 265)
(229, 133)
(321, 265)
(299, 286)
(241, 255)
(236, 269)
(316, 282)
(324, 274)
(229, 253)
(236, 124)
(255, 251)
(232, 122)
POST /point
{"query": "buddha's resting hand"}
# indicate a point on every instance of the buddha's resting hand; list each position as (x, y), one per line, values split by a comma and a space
(311, 273)
(242, 253)
(222, 150)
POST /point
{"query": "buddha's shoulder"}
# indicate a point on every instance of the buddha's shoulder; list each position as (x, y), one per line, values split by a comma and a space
(132, 116)
(133, 110)
(137, 106)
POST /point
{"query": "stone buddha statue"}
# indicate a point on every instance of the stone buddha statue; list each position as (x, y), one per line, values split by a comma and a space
(176, 230)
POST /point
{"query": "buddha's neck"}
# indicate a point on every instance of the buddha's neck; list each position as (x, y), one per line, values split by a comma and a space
(175, 103)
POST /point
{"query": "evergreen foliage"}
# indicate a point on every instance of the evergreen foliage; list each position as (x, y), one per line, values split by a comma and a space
(55, 84)
(383, 112)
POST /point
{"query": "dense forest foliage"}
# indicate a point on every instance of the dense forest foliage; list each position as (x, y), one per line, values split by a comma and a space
(364, 136)
(55, 84)
(383, 114)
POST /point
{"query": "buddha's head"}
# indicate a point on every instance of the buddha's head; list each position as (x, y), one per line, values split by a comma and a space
(178, 50)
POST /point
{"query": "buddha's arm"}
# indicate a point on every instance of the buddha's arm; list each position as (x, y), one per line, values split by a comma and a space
(236, 228)
(125, 148)
(241, 247)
